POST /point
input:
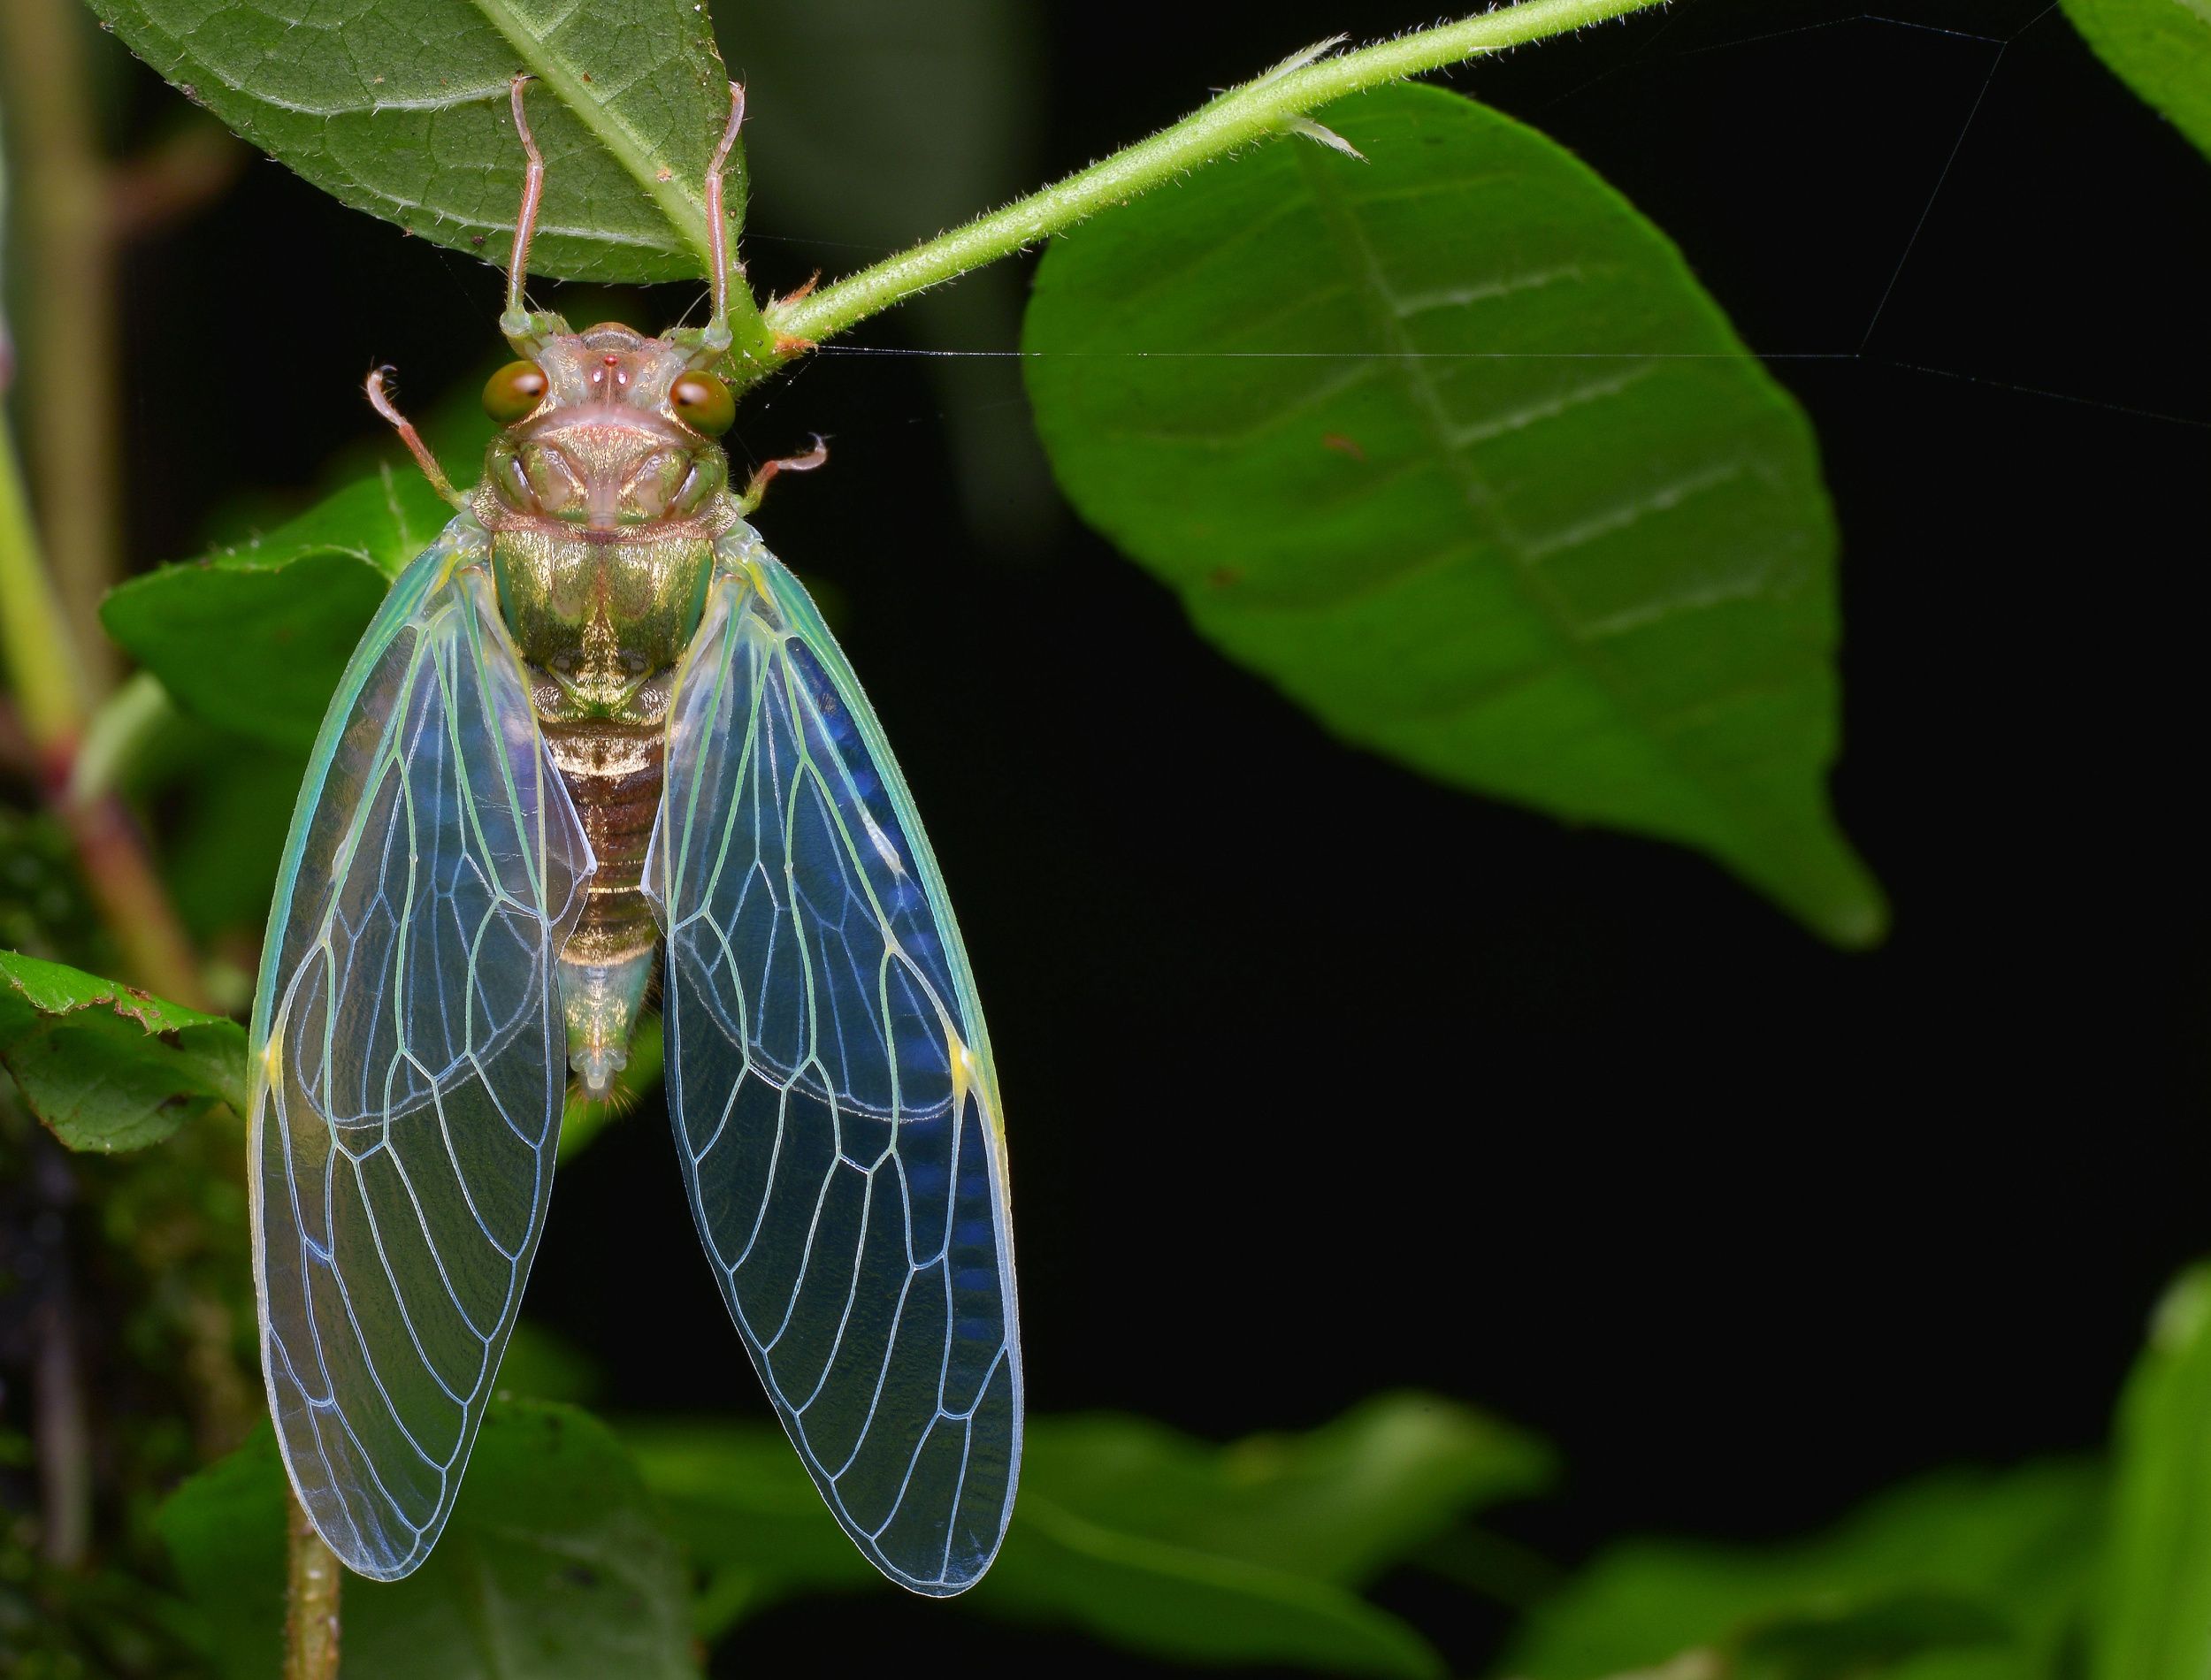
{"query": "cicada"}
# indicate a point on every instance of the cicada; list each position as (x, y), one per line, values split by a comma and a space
(596, 718)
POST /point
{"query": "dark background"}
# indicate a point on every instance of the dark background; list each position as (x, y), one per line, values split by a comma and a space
(1578, 1128)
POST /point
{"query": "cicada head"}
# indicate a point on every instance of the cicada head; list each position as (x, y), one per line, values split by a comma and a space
(604, 429)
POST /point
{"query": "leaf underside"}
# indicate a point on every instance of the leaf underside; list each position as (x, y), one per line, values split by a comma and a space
(1450, 446)
(400, 109)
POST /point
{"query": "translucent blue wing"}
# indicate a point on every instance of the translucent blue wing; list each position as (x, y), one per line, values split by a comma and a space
(409, 1060)
(831, 1088)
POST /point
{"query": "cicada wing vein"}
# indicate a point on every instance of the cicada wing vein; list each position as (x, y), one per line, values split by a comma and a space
(409, 1060)
(830, 1081)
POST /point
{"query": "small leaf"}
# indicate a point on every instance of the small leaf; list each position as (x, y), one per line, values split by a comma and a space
(106, 1067)
(253, 639)
(400, 109)
(2156, 1622)
(2161, 48)
(553, 1567)
(1249, 1552)
(1959, 1577)
(1450, 446)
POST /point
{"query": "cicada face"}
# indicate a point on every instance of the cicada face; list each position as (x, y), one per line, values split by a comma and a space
(606, 430)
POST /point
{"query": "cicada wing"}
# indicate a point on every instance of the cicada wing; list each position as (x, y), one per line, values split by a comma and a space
(831, 1088)
(409, 1061)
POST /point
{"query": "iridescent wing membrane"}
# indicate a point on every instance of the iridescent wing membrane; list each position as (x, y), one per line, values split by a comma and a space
(409, 1061)
(831, 1087)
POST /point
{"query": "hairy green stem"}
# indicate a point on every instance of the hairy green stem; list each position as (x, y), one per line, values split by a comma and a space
(1257, 111)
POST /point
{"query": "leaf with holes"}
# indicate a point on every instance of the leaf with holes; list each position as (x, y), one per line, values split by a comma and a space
(400, 109)
(2161, 48)
(1449, 444)
(107, 1068)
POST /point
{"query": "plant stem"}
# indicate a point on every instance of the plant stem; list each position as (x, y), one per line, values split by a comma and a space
(1257, 111)
(313, 1583)
(50, 693)
(67, 257)
(41, 658)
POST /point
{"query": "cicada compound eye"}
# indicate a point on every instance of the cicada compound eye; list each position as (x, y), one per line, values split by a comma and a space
(514, 393)
(703, 403)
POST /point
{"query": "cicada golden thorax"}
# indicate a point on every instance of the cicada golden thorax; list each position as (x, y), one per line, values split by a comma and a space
(603, 495)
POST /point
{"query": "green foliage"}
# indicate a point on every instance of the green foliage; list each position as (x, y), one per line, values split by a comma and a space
(2161, 48)
(1961, 1577)
(1450, 446)
(2156, 1613)
(1254, 1552)
(254, 638)
(400, 109)
(107, 1067)
(554, 1568)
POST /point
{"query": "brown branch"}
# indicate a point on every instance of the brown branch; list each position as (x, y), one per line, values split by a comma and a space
(313, 1584)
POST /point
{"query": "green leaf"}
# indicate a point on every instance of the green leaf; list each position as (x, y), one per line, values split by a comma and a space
(107, 1067)
(253, 639)
(1250, 1553)
(1339, 1503)
(1185, 1604)
(1962, 1576)
(553, 1567)
(1450, 446)
(2161, 48)
(400, 109)
(2155, 1620)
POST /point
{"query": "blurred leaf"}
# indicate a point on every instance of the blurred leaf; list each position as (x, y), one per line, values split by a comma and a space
(107, 1067)
(543, 1365)
(1340, 1503)
(400, 109)
(1185, 1604)
(1249, 1552)
(1961, 1577)
(1451, 446)
(552, 1568)
(253, 639)
(2155, 1619)
(2161, 48)
(234, 804)
(1876, 1635)
(742, 1505)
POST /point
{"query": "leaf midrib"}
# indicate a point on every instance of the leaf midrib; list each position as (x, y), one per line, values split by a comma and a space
(685, 214)
(1341, 218)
